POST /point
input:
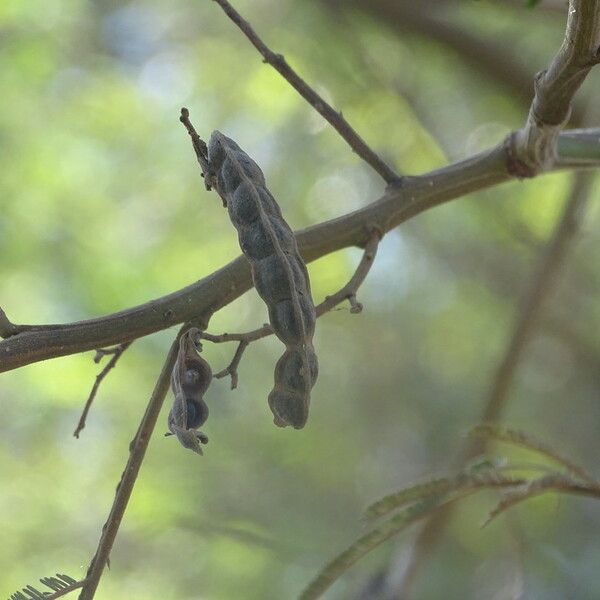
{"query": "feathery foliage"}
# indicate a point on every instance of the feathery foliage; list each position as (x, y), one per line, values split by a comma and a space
(60, 584)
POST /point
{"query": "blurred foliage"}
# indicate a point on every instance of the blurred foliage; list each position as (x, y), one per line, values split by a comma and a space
(518, 482)
(102, 207)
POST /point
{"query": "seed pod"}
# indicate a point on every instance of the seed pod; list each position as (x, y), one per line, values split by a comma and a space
(278, 271)
(189, 381)
(295, 373)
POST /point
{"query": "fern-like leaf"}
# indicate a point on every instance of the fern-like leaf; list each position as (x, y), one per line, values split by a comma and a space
(426, 498)
(555, 482)
(60, 584)
(409, 495)
(339, 565)
(518, 438)
(469, 480)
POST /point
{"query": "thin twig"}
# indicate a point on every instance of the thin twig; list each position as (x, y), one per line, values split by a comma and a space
(116, 353)
(543, 282)
(348, 292)
(102, 352)
(199, 145)
(137, 451)
(334, 118)
(231, 369)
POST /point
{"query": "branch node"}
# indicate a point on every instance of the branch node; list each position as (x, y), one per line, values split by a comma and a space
(355, 306)
(514, 165)
(231, 369)
(7, 329)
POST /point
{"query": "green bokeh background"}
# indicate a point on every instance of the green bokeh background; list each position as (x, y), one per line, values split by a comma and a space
(102, 207)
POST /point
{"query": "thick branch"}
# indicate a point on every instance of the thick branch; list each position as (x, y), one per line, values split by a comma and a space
(334, 118)
(579, 148)
(534, 146)
(398, 204)
(137, 451)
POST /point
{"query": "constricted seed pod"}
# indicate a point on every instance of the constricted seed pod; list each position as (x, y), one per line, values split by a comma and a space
(278, 271)
(294, 373)
(189, 381)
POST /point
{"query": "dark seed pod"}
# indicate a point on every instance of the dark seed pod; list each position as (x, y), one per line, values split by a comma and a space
(262, 239)
(294, 373)
(189, 381)
(293, 326)
(278, 271)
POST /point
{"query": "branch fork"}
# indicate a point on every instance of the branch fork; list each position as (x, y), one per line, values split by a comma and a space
(535, 145)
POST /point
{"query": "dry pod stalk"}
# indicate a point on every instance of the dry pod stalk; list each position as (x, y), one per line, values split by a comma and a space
(190, 380)
(278, 271)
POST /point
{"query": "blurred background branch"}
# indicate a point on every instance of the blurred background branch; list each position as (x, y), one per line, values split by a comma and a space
(529, 315)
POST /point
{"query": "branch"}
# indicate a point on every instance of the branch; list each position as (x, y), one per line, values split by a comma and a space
(137, 451)
(348, 292)
(199, 145)
(334, 118)
(543, 282)
(527, 319)
(534, 146)
(116, 352)
(231, 369)
(398, 204)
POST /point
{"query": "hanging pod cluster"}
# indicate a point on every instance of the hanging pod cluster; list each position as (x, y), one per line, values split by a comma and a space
(280, 278)
(278, 271)
(189, 381)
